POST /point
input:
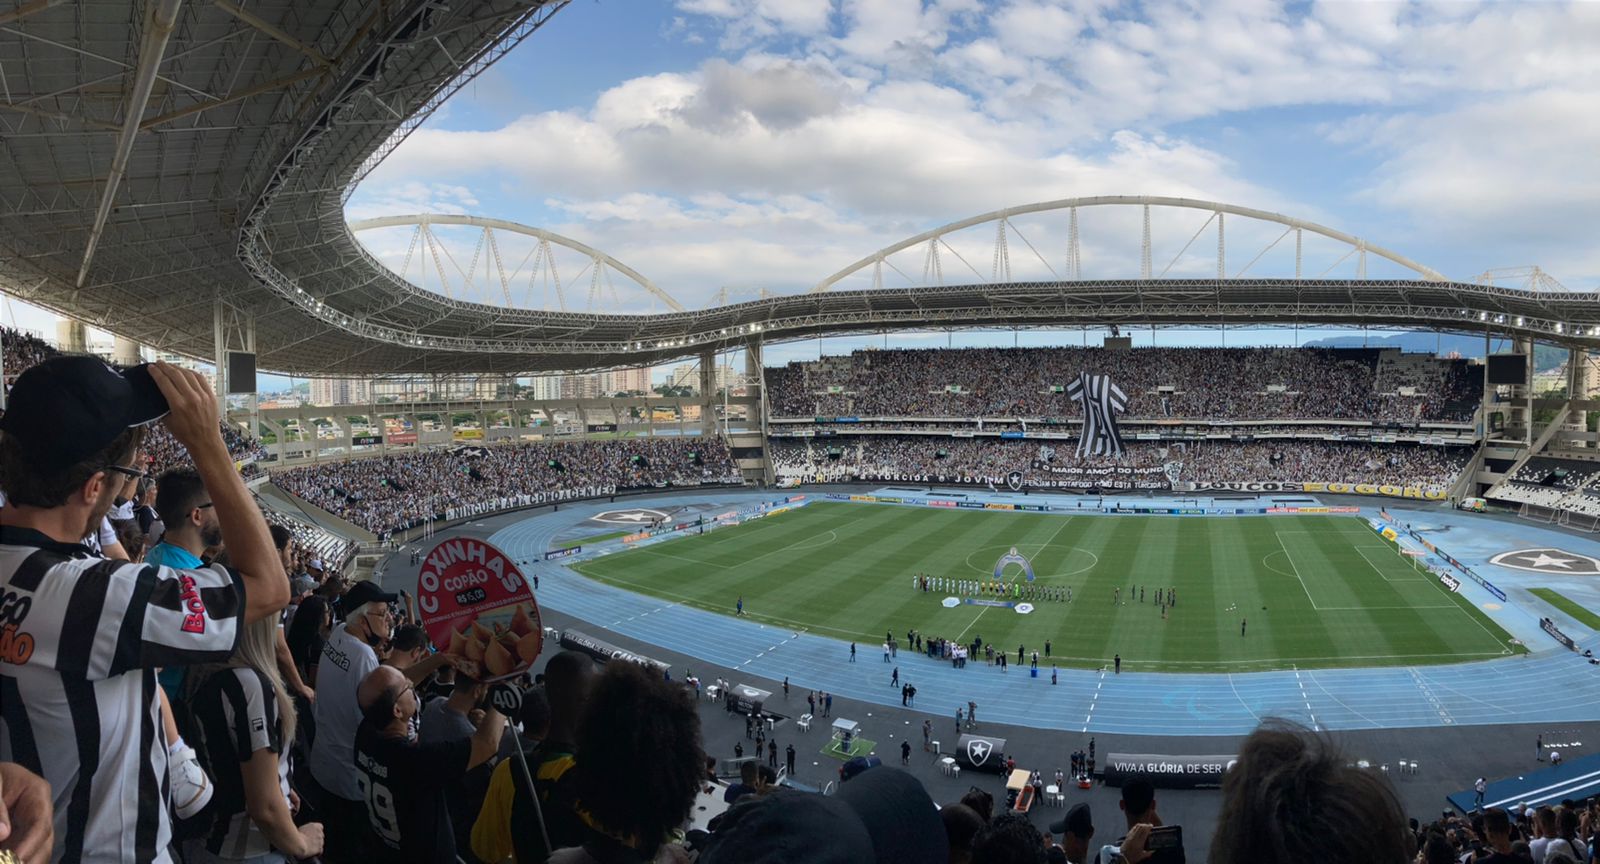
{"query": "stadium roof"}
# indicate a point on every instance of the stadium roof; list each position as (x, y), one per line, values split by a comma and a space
(158, 157)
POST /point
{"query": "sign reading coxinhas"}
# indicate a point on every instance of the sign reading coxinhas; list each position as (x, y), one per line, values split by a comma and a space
(475, 604)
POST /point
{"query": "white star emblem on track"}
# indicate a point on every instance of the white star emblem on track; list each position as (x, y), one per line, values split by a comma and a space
(1543, 560)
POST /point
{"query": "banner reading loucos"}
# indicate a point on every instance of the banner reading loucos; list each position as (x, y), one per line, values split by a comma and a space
(1101, 401)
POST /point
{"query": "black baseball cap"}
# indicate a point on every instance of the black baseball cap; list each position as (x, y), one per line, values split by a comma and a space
(1077, 822)
(785, 826)
(901, 819)
(67, 409)
(365, 592)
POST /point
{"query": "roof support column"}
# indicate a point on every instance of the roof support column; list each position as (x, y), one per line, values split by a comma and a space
(1578, 385)
(72, 336)
(1524, 413)
(756, 387)
(708, 392)
(125, 351)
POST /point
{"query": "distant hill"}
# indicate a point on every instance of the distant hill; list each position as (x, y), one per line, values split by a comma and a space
(1545, 357)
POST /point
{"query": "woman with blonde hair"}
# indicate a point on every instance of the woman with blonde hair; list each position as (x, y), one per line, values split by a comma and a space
(247, 721)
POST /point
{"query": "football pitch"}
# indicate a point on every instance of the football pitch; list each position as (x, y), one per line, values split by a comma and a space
(1314, 591)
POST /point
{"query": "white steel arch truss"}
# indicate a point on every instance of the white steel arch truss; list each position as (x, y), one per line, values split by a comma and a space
(934, 240)
(538, 264)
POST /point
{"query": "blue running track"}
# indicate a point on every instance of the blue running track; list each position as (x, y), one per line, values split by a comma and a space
(1479, 693)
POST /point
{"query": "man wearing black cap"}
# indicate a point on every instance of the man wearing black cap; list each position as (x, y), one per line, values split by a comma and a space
(879, 815)
(1075, 831)
(348, 657)
(80, 703)
(1139, 808)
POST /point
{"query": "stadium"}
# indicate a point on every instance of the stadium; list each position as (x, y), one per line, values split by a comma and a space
(1092, 552)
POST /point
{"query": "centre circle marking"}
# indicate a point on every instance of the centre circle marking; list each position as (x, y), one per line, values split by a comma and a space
(831, 534)
(988, 572)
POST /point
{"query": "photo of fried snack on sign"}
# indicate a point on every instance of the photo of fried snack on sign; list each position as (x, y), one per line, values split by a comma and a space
(477, 607)
(503, 641)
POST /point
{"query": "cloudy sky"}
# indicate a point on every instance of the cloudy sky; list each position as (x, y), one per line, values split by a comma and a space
(748, 145)
(765, 143)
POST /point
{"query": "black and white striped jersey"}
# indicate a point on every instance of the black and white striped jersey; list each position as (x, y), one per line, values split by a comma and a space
(238, 715)
(80, 638)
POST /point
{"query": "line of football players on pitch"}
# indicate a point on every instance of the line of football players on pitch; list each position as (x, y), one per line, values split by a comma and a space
(993, 588)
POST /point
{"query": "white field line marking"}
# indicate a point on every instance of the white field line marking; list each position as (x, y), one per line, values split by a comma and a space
(1244, 665)
(1307, 698)
(1412, 577)
(1340, 702)
(1296, 569)
(698, 603)
(1045, 545)
(1242, 703)
(1272, 568)
(1094, 699)
(1378, 608)
(684, 558)
(1481, 626)
(748, 561)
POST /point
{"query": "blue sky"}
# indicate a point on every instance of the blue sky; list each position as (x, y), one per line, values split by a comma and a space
(761, 144)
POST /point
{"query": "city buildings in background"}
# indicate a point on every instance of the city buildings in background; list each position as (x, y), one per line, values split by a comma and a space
(594, 385)
(688, 375)
(341, 391)
(187, 363)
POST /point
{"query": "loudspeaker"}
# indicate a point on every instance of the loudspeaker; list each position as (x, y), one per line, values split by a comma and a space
(241, 372)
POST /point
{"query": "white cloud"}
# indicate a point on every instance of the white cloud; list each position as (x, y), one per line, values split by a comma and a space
(1517, 174)
(1037, 29)
(829, 130)
(411, 196)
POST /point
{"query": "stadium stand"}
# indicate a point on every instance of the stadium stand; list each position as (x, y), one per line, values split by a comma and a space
(314, 543)
(1553, 489)
(975, 460)
(1161, 383)
(389, 493)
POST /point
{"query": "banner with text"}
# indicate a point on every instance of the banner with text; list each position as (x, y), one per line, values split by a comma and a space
(1167, 772)
(1385, 489)
(475, 604)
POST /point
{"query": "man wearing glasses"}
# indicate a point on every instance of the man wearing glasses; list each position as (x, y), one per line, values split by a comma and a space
(348, 657)
(184, 506)
(78, 705)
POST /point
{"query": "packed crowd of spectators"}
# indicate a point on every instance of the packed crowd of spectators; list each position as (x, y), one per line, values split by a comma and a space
(23, 350)
(300, 716)
(991, 460)
(1160, 383)
(390, 493)
(1169, 431)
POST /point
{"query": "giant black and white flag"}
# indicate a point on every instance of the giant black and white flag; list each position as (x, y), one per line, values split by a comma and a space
(1101, 401)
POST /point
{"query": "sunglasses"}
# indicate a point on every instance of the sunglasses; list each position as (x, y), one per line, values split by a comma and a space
(128, 472)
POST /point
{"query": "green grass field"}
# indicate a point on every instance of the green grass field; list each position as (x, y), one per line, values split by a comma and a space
(592, 539)
(1565, 604)
(1318, 591)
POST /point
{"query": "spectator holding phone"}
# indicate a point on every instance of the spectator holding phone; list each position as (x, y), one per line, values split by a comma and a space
(1146, 833)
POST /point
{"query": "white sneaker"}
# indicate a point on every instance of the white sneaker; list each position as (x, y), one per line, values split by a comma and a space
(191, 788)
